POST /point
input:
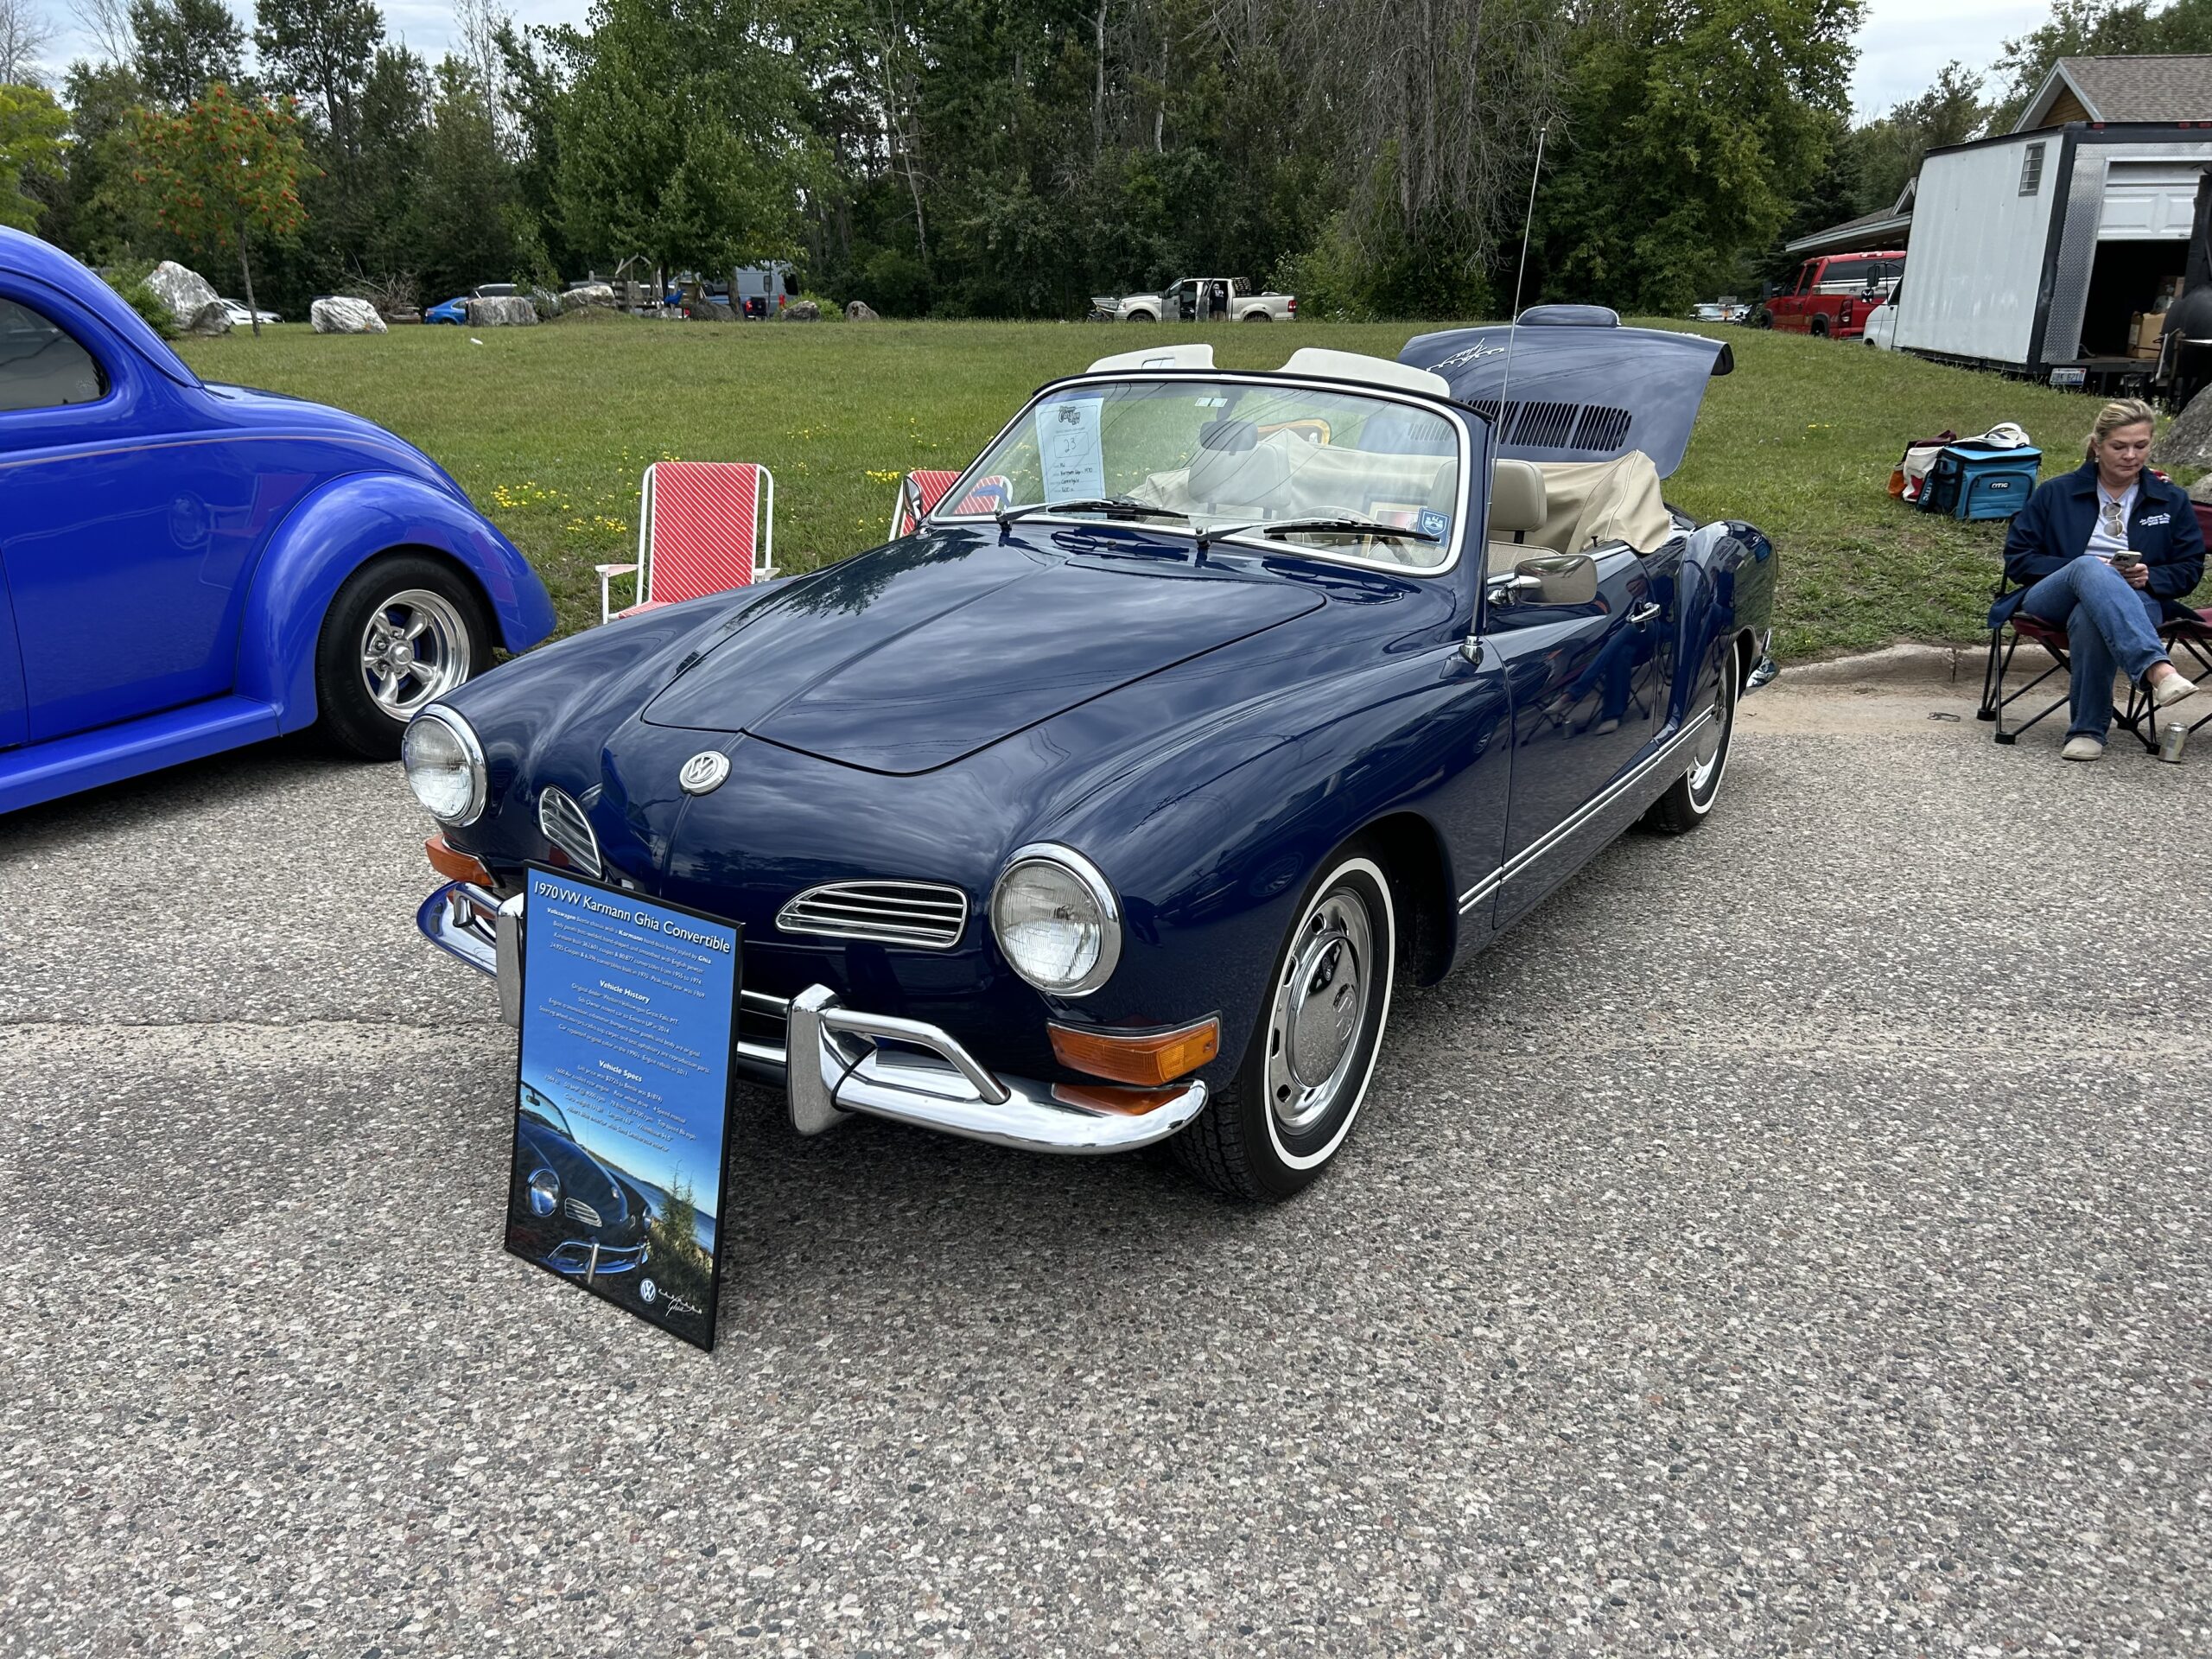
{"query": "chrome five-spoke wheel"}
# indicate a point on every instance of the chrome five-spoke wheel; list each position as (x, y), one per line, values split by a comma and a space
(403, 631)
(414, 648)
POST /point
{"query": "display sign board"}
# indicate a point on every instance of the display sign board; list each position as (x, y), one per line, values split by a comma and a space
(1068, 449)
(623, 1098)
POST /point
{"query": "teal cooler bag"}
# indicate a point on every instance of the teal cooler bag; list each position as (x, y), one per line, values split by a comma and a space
(1969, 481)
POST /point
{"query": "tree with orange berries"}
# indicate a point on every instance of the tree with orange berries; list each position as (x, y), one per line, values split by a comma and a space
(224, 174)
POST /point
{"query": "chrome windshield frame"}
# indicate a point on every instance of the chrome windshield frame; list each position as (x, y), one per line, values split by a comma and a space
(1469, 445)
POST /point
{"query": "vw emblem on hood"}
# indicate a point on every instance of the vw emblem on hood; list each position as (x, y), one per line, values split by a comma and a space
(703, 772)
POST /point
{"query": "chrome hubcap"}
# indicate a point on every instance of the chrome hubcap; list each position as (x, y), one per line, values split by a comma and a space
(1319, 1007)
(414, 650)
(1704, 769)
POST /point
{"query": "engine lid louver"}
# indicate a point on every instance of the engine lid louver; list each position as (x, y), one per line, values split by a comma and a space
(921, 915)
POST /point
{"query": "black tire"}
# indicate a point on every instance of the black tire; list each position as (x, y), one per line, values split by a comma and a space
(1819, 328)
(1142, 317)
(393, 591)
(1264, 1136)
(1257, 316)
(1690, 800)
(1764, 319)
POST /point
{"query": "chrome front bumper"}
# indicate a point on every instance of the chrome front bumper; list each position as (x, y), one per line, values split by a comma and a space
(834, 1061)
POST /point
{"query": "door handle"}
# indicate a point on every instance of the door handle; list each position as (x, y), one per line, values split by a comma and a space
(1643, 613)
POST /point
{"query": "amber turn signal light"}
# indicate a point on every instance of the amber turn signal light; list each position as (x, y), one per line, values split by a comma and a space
(1148, 1058)
(455, 865)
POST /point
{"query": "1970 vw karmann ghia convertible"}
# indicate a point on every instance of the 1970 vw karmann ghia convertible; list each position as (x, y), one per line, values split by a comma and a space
(1117, 800)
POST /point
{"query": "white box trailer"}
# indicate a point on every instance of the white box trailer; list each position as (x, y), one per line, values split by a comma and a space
(2032, 252)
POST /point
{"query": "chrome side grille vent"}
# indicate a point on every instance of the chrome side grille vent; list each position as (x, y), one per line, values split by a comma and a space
(579, 1210)
(925, 915)
(563, 823)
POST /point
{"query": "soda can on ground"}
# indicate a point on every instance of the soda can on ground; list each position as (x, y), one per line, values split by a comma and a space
(2173, 738)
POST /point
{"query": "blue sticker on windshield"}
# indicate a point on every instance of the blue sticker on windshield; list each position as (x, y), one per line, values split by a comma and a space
(1435, 524)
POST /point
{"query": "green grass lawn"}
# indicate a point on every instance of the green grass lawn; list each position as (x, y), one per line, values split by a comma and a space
(549, 429)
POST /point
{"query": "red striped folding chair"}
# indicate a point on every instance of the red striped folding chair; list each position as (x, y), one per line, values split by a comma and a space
(917, 494)
(700, 526)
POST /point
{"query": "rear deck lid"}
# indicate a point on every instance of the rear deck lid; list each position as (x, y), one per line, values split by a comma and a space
(1582, 387)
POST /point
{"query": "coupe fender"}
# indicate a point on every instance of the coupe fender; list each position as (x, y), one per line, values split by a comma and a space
(190, 566)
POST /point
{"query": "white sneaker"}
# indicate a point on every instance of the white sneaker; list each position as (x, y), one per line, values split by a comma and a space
(2172, 688)
(2083, 746)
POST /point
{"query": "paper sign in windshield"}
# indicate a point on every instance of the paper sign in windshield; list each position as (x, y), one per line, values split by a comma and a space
(622, 1100)
(1068, 448)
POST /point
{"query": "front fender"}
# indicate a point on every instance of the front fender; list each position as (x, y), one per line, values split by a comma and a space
(1212, 846)
(332, 532)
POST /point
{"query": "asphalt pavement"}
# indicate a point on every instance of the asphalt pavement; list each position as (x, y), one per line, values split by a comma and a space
(1792, 1238)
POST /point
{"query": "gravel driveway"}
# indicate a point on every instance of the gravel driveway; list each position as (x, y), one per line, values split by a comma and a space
(1792, 1237)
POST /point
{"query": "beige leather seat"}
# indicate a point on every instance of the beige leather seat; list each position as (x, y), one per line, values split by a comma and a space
(1517, 505)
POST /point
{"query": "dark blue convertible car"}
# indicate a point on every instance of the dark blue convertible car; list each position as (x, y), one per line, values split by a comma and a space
(1115, 803)
(190, 567)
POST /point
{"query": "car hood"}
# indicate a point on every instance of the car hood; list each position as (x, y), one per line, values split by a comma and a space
(923, 652)
(1583, 387)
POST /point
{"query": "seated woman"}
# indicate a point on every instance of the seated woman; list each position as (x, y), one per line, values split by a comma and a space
(2106, 550)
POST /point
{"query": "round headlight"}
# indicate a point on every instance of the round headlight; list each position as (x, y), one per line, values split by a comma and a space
(545, 1192)
(1057, 921)
(445, 766)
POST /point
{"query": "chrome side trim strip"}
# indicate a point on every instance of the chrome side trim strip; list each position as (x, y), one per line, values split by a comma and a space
(1519, 863)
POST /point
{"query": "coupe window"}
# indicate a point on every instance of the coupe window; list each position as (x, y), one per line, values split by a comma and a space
(40, 367)
(1334, 472)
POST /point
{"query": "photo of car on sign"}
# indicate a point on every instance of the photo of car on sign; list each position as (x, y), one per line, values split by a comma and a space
(574, 1208)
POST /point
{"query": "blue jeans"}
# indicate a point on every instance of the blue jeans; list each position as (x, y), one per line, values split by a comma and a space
(2110, 628)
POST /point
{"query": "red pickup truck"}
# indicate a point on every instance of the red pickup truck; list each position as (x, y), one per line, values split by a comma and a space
(1833, 296)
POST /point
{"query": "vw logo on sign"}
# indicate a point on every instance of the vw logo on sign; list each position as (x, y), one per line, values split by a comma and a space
(703, 772)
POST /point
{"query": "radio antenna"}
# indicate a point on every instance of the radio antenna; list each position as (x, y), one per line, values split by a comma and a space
(1513, 328)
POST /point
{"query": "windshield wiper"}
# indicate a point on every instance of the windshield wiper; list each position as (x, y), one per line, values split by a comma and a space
(1112, 507)
(1277, 529)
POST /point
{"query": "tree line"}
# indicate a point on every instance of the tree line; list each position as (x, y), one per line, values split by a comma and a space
(992, 158)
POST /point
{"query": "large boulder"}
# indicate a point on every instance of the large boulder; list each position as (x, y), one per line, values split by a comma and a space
(860, 311)
(502, 311)
(187, 293)
(803, 311)
(213, 318)
(339, 315)
(2202, 490)
(585, 293)
(2187, 441)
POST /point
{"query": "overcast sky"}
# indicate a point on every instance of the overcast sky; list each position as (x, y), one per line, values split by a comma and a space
(1903, 44)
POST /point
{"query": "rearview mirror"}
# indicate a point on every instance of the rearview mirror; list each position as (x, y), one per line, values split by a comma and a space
(1557, 579)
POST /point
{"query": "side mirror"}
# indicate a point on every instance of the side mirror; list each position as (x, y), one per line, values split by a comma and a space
(1553, 579)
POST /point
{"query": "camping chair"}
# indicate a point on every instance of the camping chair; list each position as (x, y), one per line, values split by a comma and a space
(919, 493)
(2006, 639)
(699, 525)
(2188, 640)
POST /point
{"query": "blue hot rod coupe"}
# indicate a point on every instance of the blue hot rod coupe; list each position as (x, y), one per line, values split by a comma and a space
(1116, 801)
(190, 567)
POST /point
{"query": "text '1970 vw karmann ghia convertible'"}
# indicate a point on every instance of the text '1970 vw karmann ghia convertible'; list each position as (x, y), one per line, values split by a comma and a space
(1116, 801)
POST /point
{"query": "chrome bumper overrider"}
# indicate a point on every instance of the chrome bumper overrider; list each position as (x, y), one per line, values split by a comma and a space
(834, 1061)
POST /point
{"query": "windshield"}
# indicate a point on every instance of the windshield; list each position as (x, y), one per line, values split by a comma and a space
(1222, 452)
(536, 1105)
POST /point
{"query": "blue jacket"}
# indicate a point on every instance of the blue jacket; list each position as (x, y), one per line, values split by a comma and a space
(2053, 530)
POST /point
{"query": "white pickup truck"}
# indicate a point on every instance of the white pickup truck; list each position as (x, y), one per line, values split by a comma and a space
(1198, 299)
